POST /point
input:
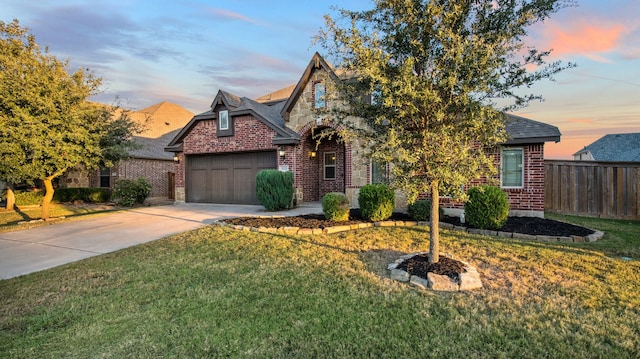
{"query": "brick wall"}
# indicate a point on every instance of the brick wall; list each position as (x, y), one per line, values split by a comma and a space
(528, 200)
(250, 135)
(155, 171)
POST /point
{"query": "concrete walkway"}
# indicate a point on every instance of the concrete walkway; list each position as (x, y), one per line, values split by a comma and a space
(31, 250)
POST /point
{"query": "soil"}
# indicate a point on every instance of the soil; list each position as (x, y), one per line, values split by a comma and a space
(524, 225)
(419, 265)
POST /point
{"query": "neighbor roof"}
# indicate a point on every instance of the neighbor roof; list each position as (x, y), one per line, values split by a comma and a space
(621, 147)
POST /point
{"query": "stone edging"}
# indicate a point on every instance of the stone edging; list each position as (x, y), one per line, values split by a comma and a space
(468, 280)
(335, 229)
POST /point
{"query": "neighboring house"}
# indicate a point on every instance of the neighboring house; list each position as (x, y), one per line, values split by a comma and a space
(162, 122)
(221, 150)
(623, 147)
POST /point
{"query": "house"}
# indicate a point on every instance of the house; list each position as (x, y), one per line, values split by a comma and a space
(623, 147)
(220, 151)
(162, 122)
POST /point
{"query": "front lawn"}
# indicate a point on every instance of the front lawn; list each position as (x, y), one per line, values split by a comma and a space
(217, 292)
(13, 220)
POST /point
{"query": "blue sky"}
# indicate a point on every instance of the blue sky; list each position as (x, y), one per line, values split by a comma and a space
(185, 51)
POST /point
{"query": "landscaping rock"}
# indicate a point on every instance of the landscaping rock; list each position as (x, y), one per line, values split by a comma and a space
(399, 275)
(441, 282)
(419, 282)
(470, 280)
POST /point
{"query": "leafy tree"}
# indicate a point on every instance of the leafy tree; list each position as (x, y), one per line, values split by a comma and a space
(434, 71)
(47, 126)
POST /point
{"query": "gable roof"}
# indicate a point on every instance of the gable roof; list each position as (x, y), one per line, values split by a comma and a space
(317, 62)
(621, 147)
(237, 106)
(522, 130)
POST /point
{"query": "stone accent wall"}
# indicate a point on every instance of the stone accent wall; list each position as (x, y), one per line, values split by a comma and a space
(303, 111)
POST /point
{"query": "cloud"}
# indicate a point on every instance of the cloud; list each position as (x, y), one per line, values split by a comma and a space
(223, 14)
(585, 38)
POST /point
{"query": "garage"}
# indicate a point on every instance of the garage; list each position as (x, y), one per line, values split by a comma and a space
(226, 178)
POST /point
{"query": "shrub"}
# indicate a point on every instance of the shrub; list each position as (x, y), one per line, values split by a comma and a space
(28, 198)
(335, 206)
(129, 192)
(487, 207)
(274, 189)
(420, 210)
(95, 195)
(376, 202)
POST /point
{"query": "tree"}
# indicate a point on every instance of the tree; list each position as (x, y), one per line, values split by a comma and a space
(47, 125)
(434, 71)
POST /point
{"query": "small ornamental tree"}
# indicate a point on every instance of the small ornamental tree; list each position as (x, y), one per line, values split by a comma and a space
(47, 126)
(274, 189)
(423, 77)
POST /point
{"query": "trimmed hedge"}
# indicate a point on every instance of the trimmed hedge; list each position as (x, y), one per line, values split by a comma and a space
(94, 195)
(274, 189)
(376, 202)
(420, 210)
(128, 192)
(335, 206)
(487, 207)
(27, 198)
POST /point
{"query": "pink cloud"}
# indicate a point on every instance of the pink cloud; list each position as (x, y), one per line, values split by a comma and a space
(224, 14)
(589, 39)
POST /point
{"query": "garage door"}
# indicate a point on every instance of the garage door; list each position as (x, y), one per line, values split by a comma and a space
(226, 178)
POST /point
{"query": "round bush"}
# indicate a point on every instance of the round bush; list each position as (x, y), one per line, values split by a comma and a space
(420, 210)
(376, 202)
(335, 206)
(487, 207)
(128, 192)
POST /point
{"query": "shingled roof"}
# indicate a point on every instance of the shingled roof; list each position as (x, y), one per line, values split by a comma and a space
(621, 147)
(522, 130)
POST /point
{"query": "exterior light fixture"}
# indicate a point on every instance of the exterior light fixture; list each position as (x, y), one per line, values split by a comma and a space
(282, 152)
(176, 158)
(312, 154)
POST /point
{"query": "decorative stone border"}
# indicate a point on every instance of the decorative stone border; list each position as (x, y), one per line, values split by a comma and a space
(468, 280)
(335, 229)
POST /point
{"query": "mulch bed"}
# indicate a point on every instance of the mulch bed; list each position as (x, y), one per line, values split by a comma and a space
(524, 225)
(419, 265)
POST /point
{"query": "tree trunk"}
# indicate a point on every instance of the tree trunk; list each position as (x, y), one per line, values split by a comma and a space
(11, 197)
(48, 196)
(434, 244)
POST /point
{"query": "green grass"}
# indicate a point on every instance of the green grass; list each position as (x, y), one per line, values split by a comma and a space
(217, 292)
(11, 220)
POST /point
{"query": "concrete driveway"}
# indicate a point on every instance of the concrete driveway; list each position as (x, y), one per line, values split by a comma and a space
(36, 249)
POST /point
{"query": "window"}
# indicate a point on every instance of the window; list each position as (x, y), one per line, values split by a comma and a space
(223, 120)
(512, 171)
(105, 177)
(319, 92)
(330, 165)
(379, 172)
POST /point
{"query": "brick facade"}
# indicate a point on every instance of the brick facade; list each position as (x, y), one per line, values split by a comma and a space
(352, 168)
(155, 171)
(250, 135)
(528, 200)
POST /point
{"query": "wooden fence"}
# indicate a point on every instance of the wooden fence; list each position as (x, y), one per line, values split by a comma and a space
(596, 189)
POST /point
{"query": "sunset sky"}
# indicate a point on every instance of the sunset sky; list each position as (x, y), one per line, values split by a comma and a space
(185, 51)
